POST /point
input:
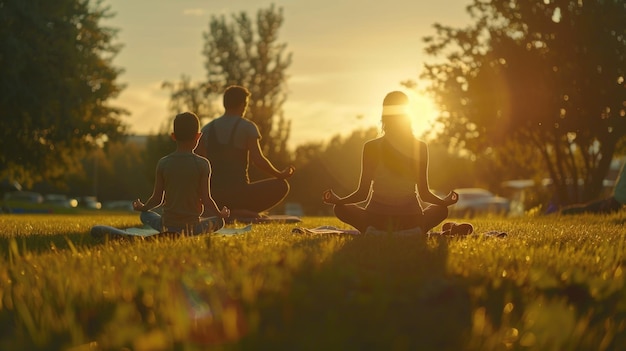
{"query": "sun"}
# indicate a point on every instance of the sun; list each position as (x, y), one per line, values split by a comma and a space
(421, 109)
(423, 112)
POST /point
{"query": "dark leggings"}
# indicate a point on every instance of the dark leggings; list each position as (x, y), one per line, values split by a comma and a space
(257, 196)
(360, 218)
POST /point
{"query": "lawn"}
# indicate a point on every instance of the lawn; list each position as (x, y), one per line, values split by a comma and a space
(554, 283)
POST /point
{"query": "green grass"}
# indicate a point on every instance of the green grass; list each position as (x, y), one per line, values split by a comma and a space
(555, 283)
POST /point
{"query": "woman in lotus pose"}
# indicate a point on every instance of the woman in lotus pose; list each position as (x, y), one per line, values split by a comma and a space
(391, 167)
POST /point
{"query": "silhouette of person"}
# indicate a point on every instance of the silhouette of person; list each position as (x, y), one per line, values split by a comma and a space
(182, 187)
(393, 166)
(230, 142)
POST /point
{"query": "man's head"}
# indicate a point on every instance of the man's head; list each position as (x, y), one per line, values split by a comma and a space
(236, 98)
(186, 126)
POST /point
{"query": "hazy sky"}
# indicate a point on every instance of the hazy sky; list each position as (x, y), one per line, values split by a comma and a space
(347, 54)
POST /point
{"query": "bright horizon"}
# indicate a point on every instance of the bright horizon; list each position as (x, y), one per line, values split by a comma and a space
(346, 57)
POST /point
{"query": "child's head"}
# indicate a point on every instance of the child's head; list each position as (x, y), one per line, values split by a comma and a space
(186, 126)
(235, 96)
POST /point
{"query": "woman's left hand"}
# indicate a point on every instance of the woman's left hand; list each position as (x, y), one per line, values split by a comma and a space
(225, 212)
(138, 205)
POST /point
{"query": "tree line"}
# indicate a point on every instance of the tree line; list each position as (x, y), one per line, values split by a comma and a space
(536, 88)
(529, 90)
(123, 170)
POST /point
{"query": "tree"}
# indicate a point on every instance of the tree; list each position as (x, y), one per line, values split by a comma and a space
(56, 76)
(238, 52)
(115, 172)
(186, 95)
(121, 174)
(542, 79)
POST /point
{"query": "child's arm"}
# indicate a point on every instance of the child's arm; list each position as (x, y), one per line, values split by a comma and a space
(210, 207)
(155, 199)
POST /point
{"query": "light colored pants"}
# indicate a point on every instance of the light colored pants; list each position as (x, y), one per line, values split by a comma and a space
(206, 225)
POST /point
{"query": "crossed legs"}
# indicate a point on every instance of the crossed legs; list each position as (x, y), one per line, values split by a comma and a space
(360, 218)
(251, 199)
(206, 225)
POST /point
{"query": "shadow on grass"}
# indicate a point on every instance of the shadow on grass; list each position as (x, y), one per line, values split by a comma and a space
(92, 316)
(375, 293)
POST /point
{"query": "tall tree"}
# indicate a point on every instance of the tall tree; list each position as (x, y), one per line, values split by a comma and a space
(186, 95)
(56, 76)
(238, 51)
(545, 78)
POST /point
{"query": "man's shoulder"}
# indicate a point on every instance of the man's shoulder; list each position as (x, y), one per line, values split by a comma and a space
(247, 121)
(252, 130)
(224, 120)
(248, 124)
(209, 124)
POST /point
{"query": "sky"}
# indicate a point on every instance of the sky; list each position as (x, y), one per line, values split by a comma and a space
(346, 56)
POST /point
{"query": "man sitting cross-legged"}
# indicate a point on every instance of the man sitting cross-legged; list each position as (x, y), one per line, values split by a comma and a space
(230, 142)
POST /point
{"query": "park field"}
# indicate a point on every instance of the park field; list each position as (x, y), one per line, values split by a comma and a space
(554, 283)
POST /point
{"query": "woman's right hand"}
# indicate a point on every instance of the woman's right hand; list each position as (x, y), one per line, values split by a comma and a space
(330, 197)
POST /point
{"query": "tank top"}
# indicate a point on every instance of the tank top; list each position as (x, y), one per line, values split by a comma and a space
(229, 163)
(394, 186)
(181, 174)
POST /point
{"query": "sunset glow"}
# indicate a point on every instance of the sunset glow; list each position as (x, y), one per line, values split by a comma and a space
(424, 113)
(340, 71)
